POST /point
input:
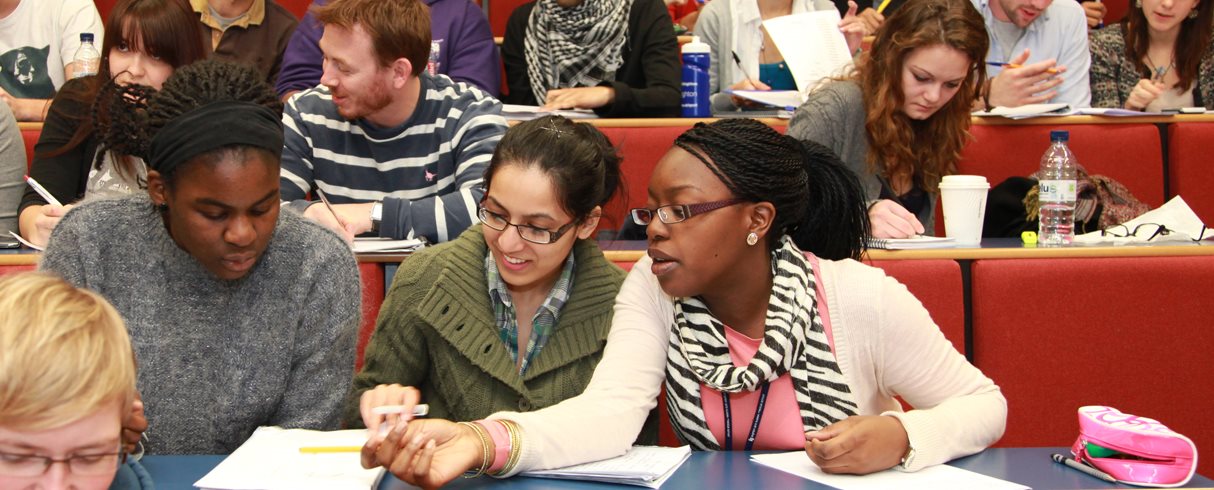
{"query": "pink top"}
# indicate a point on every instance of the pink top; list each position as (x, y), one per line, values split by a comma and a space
(780, 427)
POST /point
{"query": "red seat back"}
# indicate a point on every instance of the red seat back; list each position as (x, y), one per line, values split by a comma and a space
(1190, 174)
(937, 284)
(1130, 332)
(1130, 153)
(372, 275)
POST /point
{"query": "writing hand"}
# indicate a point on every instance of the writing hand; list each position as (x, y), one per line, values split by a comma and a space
(392, 394)
(858, 445)
(888, 219)
(1143, 94)
(427, 452)
(1029, 84)
(747, 84)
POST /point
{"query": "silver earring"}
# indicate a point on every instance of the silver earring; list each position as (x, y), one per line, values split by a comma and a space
(1137, 4)
(162, 207)
(752, 238)
(1192, 13)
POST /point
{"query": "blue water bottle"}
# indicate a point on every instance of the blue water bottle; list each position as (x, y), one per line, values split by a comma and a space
(696, 63)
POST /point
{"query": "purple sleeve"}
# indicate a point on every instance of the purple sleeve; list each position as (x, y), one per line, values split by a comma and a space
(301, 62)
(469, 54)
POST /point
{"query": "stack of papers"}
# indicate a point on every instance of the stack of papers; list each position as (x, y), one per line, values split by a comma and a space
(917, 242)
(516, 112)
(271, 460)
(788, 100)
(829, 56)
(385, 245)
(1028, 110)
(646, 466)
(939, 477)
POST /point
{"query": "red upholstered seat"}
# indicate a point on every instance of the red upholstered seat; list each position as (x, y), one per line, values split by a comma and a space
(1130, 153)
(1131, 333)
(372, 275)
(30, 136)
(937, 284)
(1190, 173)
(11, 269)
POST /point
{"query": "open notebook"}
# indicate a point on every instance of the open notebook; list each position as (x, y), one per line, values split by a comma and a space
(917, 242)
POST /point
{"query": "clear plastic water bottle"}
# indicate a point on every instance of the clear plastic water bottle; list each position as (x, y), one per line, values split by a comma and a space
(1056, 192)
(432, 65)
(696, 62)
(87, 58)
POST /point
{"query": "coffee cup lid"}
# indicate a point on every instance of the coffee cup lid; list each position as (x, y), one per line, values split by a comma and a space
(964, 181)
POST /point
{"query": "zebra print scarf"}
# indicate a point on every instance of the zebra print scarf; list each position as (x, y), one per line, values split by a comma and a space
(794, 341)
(574, 47)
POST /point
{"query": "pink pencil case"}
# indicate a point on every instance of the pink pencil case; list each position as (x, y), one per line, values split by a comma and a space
(1134, 450)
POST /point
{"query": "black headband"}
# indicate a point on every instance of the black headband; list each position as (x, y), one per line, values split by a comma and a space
(213, 126)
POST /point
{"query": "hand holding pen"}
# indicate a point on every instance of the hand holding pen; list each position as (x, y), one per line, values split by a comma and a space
(1020, 84)
(38, 230)
(748, 83)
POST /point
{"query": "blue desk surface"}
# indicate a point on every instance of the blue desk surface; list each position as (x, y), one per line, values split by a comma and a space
(710, 470)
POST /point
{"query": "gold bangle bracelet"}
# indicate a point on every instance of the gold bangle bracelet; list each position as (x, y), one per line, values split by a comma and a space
(516, 446)
(485, 451)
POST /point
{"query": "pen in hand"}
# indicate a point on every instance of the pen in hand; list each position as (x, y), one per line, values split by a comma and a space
(1088, 470)
(325, 200)
(46, 195)
(1051, 71)
(738, 61)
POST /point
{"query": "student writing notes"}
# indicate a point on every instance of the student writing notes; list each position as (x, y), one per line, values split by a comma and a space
(241, 315)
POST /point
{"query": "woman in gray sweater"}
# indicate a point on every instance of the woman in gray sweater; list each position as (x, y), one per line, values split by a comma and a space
(900, 120)
(240, 316)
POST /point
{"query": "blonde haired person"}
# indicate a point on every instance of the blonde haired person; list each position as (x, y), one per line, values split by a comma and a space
(67, 384)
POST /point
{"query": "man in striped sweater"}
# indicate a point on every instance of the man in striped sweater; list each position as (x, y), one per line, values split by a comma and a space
(398, 151)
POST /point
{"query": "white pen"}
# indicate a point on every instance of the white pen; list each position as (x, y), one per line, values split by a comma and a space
(419, 410)
(42, 191)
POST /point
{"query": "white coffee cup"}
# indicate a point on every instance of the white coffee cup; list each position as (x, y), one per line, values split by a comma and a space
(964, 203)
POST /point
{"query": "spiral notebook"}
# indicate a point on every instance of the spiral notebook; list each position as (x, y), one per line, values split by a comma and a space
(917, 242)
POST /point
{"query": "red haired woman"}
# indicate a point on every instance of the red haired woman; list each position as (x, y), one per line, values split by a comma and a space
(900, 120)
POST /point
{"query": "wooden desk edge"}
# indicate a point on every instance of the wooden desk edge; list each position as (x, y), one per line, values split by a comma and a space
(995, 253)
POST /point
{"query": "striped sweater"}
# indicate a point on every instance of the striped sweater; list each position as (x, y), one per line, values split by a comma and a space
(427, 171)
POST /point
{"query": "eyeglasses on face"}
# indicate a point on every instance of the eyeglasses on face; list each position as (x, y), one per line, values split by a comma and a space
(678, 213)
(1148, 230)
(530, 233)
(80, 464)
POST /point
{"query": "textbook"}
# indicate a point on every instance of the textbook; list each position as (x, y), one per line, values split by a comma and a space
(645, 466)
(915, 243)
(272, 459)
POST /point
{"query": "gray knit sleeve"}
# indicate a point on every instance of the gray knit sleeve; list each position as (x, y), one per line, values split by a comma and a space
(323, 351)
(70, 249)
(12, 167)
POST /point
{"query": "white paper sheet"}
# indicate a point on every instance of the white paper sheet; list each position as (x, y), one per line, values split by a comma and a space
(812, 45)
(1183, 225)
(1028, 110)
(788, 100)
(271, 460)
(647, 466)
(939, 477)
(384, 245)
(519, 112)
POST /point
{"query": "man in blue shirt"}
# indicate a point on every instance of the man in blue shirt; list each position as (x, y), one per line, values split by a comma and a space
(1039, 36)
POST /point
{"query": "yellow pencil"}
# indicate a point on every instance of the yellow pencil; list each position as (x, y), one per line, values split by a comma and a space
(330, 449)
(881, 8)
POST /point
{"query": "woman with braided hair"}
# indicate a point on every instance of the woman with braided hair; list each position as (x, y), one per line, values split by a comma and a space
(751, 335)
(900, 120)
(240, 316)
(618, 57)
(80, 152)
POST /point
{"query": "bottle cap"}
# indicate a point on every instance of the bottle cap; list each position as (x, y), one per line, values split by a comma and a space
(1060, 135)
(696, 46)
(86, 37)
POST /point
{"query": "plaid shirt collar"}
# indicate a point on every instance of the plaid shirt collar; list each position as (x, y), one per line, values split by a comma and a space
(544, 320)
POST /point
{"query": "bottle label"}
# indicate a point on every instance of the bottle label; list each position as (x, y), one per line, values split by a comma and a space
(1056, 191)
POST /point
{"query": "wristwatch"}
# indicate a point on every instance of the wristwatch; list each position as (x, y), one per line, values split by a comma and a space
(908, 458)
(377, 215)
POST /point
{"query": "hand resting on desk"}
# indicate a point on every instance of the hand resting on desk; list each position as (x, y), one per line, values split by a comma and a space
(428, 453)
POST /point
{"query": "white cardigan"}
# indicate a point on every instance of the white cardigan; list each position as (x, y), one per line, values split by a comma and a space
(885, 342)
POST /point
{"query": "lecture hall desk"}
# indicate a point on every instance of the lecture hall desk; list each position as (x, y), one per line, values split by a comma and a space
(708, 470)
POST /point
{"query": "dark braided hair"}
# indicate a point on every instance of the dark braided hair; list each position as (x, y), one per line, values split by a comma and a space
(579, 159)
(188, 88)
(818, 201)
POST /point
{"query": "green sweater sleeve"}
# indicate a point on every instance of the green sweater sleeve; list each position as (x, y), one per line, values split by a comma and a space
(397, 352)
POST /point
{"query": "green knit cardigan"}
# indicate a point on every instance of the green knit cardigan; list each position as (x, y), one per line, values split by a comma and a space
(436, 332)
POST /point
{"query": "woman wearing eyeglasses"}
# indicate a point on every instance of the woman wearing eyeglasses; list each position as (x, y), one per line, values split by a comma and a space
(68, 376)
(513, 314)
(750, 334)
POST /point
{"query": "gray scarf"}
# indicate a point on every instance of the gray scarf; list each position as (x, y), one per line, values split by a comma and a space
(574, 47)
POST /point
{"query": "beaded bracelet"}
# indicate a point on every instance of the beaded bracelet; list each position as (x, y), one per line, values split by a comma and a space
(485, 452)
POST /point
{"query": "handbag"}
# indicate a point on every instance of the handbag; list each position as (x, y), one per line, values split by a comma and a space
(1134, 450)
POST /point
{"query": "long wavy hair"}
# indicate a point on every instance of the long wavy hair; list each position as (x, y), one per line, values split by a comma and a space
(927, 149)
(1191, 43)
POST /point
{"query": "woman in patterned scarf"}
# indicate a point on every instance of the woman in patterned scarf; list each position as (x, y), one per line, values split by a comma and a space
(761, 346)
(618, 57)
